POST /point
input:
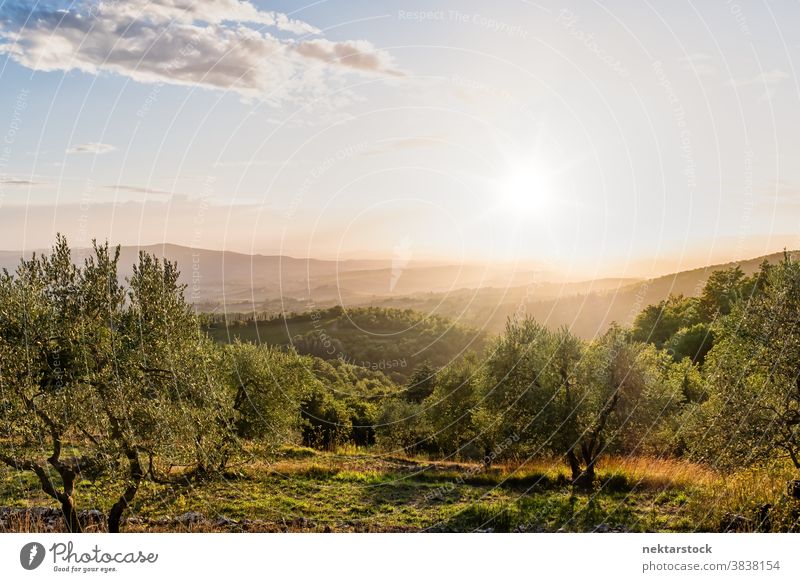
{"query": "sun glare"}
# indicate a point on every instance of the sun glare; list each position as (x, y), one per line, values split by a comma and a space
(525, 190)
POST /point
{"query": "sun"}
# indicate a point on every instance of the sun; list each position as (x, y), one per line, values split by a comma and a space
(525, 190)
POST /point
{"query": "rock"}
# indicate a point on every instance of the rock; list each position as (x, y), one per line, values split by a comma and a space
(189, 518)
(92, 516)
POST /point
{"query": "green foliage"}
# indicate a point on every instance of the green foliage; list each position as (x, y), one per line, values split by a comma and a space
(402, 427)
(692, 342)
(356, 392)
(657, 323)
(326, 419)
(124, 372)
(421, 383)
(752, 414)
(268, 386)
(682, 325)
(519, 387)
(115, 382)
(452, 410)
(722, 289)
(392, 341)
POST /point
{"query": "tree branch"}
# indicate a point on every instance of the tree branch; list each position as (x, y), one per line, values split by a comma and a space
(44, 477)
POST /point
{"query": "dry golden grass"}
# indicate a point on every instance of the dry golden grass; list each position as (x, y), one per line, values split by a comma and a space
(660, 474)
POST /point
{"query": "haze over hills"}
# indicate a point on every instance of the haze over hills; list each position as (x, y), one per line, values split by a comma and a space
(236, 281)
(585, 313)
(481, 296)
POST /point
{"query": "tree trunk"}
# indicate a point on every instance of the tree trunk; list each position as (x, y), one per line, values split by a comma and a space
(67, 499)
(574, 465)
(70, 515)
(115, 515)
(487, 458)
(136, 476)
(587, 477)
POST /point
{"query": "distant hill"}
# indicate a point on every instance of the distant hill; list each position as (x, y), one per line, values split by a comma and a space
(479, 296)
(585, 313)
(214, 278)
(230, 281)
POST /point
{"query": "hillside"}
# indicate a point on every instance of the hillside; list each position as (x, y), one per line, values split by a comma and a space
(478, 296)
(230, 281)
(586, 314)
(388, 340)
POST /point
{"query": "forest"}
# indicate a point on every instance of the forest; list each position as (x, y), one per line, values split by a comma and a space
(122, 407)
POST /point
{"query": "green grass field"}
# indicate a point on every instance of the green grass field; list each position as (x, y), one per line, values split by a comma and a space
(300, 489)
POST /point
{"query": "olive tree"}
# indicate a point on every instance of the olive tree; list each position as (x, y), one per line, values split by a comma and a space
(620, 397)
(517, 400)
(97, 378)
(268, 388)
(752, 413)
(43, 395)
(452, 409)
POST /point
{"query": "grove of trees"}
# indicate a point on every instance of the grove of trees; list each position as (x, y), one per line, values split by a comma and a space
(103, 379)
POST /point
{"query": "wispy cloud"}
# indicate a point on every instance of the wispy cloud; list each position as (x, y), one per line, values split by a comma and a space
(211, 44)
(17, 182)
(406, 143)
(701, 64)
(768, 80)
(258, 163)
(92, 147)
(138, 189)
(772, 77)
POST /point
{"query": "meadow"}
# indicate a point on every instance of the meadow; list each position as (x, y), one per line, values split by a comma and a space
(298, 489)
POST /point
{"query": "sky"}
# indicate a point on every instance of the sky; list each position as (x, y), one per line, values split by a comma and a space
(592, 138)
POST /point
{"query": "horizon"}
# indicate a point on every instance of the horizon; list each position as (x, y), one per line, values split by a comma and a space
(516, 267)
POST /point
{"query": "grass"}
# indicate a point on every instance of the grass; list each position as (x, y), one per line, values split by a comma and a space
(299, 489)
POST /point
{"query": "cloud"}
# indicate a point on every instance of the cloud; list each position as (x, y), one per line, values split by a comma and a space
(772, 77)
(701, 64)
(392, 145)
(257, 163)
(138, 189)
(92, 147)
(211, 11)
(208, 44)
(768, 80)
(359, 55)
(16, 182)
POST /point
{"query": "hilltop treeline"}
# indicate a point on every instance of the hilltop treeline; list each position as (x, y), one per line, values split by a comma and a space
(121, 382)
(392, 341)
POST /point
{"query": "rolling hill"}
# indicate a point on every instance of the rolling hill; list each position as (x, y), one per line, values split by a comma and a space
(476, 295)
(585, 313)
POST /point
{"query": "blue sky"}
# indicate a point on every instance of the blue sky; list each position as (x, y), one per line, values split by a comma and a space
(601, 138)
